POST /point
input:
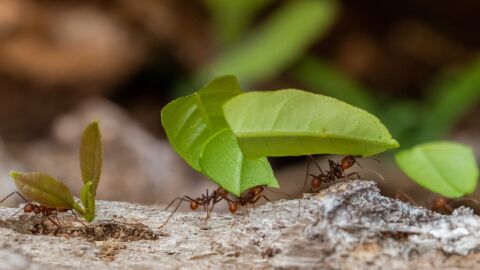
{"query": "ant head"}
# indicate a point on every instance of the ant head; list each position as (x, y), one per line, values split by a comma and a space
(440, 202)
(222, 192)
(28, 208)
(232, 207)
(348, 162)
(193, 205)
(254, 191)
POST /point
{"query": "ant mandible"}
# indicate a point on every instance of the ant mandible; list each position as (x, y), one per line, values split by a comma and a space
(337, 171)
(39, 209)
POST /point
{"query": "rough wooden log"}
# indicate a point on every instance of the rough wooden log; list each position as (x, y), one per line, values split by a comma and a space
(346, 226)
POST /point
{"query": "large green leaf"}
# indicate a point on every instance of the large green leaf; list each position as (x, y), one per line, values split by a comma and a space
(277, 43)
(44, 189)
(222, 160)
(91, 155)
(443, 167)
(294, 122)
(192, 120)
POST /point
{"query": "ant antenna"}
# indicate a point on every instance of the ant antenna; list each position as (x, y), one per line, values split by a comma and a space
(280, 192)
(475, 201)
(15, 192)
(175, 210)
(376, 173)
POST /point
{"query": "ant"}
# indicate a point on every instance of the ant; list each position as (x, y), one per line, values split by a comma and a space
(337, 171)
(439, 205)
(39, 209)
(251, 196)
(205, 200)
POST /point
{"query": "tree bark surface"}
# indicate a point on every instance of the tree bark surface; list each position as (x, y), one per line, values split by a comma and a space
(348, 225)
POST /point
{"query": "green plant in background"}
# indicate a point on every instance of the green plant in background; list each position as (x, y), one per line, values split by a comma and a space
(51, 193)
(227, 134)
(277, 45)
(281, 39)
(446, 168)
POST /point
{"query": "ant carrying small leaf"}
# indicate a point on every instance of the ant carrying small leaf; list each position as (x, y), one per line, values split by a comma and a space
(40, 209)
(48, 196)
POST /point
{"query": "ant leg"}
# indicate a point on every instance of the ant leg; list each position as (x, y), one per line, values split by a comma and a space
(170, 204)
(15, 192)
(332, 164)
(56, 224)
(352, 174)
(175, 210)
(259, 197)
(76, 218)
(16, 213)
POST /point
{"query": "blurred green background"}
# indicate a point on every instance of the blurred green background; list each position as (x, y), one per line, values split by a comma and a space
(414, 64)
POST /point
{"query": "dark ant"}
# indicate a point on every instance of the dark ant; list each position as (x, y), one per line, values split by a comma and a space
(337, 171)
(39, 209)
(440, 205)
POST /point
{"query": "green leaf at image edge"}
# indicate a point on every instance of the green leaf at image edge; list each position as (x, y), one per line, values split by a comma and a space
(46, 190)
(222, 160)
(91, 155)
(293, 122)
(446, 168)
(191, 121)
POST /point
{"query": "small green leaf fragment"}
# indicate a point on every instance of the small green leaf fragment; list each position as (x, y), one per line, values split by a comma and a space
(91, 155)
(88, 200)
(43, 189)
(223, 161)
(446, 168)
(190, 121)
(294, 122)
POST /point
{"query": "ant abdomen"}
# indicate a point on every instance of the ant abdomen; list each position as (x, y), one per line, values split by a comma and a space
(232, 207)
(316, 183)
(193, 205)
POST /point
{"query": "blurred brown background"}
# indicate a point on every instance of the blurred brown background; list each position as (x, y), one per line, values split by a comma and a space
(63, 63)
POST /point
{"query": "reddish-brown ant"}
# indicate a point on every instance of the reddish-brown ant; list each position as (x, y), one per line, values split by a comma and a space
(38, 209)
(337, 171)
(251, 196)
(205, 200)
(439, 205)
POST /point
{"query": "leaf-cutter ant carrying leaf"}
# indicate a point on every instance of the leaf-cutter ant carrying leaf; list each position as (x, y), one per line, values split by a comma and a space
(47, 196)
